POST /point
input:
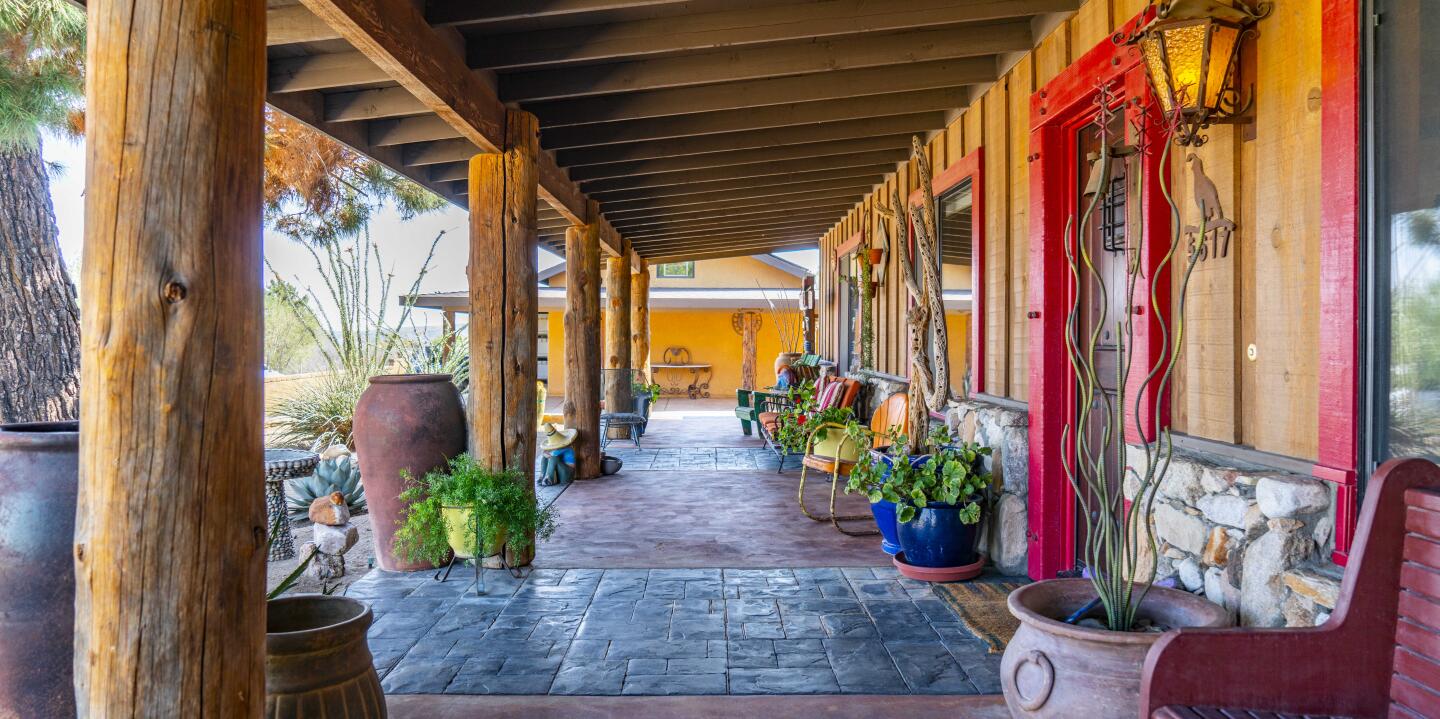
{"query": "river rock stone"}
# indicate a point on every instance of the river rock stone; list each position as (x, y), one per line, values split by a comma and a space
(1009, 547)
(1288, 495)
(333, 451)
(1262, 587)
(1321, 589)
(1189, 571)
(335, 539)
(330, 510)
(1254, 522)
(1180, 529)
(1219, 590)
(1226, 509)
(1217, 548)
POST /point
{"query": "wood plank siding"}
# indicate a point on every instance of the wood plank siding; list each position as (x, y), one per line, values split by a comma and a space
(1264, 293)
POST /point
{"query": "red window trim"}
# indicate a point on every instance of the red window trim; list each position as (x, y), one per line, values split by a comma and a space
(970, 167)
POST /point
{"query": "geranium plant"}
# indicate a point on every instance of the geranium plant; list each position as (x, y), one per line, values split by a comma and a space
(955, 475)
(803, 417)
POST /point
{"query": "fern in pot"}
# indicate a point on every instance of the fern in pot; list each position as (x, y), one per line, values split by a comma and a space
(469, 511)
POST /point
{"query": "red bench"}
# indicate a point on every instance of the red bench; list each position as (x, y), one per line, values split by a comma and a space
(1377, 656)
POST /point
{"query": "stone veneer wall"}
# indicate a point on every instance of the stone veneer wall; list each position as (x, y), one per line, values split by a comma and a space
(1255, 541)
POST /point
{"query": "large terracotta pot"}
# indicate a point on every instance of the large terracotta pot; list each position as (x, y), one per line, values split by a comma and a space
(39, 480)
(317, 663)
(404, 422)
(1054, 669)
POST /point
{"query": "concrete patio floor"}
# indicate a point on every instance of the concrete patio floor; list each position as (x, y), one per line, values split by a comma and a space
(691, 575)
(410, 706)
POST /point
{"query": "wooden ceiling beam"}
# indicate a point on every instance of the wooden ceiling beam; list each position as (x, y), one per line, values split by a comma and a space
(395, 37)
(725, 205)
(663, 256)
(875, 127)
(780, 206)
(756, 169)
(323, 71)
(652, 238)
(760, 118)
(493, 12)
(739, 174)
(441, 152)
(742, 157)
(767, 91)
(768, 182)
(746, 242)
(748, 192)
(295, 24)
(731, 29)
(767, 61)
(724, 222)
(373, 104)
(425, 128)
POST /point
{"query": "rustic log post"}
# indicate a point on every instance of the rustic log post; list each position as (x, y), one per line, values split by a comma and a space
(582, 345)
(617, 333)
(170, 530)
(747, 323)
(504, 297)
(640, 319)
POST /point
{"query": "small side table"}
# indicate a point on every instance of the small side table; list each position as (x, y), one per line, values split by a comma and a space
(280, 465)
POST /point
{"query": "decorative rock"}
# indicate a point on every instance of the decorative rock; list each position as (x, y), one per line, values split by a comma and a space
(1324, 529)
(1254, 522)
(323, 566)
(1009, 547)
(1181, 482)
(1289, 495)
(1217, 548)
(1319, 588)
(335, 540)
(1226, 509)
(1220, 591)
(1298, 611)
(1262, 590)
(1216, 480)
(333, 451)
(1180, 529)
(1283, 524)
(1321, 618)
(1189, 571)
(330, 510)
(1171, 552)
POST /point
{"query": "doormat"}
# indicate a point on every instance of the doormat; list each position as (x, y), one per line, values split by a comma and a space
(982, 610)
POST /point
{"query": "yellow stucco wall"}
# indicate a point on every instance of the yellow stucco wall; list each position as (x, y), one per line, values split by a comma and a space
(705, 332)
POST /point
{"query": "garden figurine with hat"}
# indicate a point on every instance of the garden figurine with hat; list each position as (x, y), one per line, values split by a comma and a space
(558, 461)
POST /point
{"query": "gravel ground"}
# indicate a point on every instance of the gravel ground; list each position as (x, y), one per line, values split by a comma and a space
(358, 561)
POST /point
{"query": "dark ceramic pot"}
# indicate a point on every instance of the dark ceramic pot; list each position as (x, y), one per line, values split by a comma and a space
(1054, 669)
(883, 511)
(935, 537)
(642, 408)
(317, 663)
(39, 481)
(403, 422)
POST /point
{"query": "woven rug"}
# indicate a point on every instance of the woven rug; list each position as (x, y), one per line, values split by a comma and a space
(982, 611)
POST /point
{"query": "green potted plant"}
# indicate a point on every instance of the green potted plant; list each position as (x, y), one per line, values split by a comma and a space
(645, 396)
(470, 511)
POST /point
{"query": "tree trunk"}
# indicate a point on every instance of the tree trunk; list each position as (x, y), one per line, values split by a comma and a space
(40, 334)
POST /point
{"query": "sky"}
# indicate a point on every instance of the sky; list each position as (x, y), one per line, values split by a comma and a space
(402, 244)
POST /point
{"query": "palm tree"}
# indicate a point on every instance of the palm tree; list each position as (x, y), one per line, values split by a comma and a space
(42, 51)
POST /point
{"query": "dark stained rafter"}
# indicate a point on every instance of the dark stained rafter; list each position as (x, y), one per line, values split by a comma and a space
(699, 128)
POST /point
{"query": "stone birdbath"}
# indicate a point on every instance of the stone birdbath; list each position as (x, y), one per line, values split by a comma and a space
(280, 465)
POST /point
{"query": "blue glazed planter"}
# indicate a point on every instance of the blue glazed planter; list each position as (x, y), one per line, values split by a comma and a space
(936, 537)
(884, 511)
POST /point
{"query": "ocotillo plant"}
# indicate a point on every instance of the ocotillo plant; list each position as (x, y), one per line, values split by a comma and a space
(1116, 534)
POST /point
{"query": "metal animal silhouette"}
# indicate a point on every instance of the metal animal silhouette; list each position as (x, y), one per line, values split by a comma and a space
(1215, 240)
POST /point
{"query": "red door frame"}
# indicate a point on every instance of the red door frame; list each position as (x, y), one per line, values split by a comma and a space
(1052, 187)
(1057, 112)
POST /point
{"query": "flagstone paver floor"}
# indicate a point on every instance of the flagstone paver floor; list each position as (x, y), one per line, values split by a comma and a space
(670, 632)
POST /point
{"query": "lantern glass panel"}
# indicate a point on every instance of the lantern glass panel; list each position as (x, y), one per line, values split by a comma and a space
(1155, 65)
(1223, 39)
(1185, 58)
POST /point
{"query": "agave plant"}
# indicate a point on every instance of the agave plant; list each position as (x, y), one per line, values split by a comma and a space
(341, 474)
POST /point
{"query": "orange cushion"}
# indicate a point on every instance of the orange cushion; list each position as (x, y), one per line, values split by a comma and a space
(770, 420)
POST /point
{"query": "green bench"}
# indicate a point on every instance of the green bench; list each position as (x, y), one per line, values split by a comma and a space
(749, 403)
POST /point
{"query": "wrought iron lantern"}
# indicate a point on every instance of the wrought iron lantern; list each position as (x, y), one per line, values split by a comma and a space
(1191, 50)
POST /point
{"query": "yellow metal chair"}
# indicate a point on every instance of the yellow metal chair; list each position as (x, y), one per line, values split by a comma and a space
(838, 453)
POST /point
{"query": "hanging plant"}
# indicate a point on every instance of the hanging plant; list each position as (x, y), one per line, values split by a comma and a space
(867, 315)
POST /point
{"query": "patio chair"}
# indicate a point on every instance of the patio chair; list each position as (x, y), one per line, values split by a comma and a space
(1378, 655)
(774, 404)
(893, 412)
